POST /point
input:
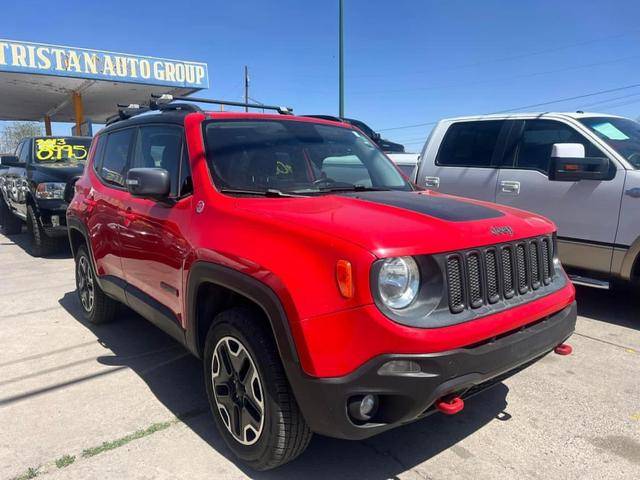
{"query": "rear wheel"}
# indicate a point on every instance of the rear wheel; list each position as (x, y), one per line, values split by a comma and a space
(250, 397)
(41, 243)
(97, 307)
(11, 225)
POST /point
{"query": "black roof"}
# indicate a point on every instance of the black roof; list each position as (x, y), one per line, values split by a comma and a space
(153, 116)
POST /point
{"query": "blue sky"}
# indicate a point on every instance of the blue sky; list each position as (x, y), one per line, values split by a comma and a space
(407, 61)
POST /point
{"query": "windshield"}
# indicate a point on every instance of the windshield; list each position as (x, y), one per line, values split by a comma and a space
(622, 134)
(295, 157)
(61, 149)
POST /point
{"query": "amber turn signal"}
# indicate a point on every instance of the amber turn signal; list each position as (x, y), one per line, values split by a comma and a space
(344, 276)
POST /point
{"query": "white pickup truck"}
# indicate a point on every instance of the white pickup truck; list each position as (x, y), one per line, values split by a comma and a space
(582, 170)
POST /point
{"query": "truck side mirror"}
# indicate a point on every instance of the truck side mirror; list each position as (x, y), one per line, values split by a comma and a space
(149, 183)
(10, 161)
(569, 164)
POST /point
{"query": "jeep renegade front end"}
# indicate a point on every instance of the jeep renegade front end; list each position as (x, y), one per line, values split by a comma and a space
(322, 292)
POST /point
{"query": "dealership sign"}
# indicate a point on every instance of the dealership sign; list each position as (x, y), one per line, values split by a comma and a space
(28, 57)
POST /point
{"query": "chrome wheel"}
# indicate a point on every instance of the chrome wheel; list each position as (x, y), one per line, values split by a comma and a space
(86, 290)
(238, 391)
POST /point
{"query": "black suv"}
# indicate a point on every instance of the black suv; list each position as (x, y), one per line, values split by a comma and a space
(37, 184)
(387, 146)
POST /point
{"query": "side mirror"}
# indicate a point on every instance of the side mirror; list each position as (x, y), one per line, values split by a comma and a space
(10, 161)
(569, 164)
(149, 183)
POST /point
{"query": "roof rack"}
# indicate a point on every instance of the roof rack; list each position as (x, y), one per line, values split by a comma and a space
(166, 98)
(127, 111)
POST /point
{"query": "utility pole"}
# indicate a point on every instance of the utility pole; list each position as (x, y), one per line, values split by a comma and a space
(246, 87)
(341, 58)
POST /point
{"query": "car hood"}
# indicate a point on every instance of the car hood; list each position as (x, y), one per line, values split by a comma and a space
(57, 172)
(390, 223)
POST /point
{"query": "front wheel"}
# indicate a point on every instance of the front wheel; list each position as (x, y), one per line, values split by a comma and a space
(250, 397)
(41, 243)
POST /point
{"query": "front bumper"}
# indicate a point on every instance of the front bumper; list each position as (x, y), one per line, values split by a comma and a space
(53, 217)
(407, 397)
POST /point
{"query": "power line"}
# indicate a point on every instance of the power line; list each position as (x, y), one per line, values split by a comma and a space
(408, 126)
(566, 99)
(534, 105)
(585, 105)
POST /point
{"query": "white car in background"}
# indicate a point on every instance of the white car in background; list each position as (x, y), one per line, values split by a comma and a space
(406, 162)
(581, 170)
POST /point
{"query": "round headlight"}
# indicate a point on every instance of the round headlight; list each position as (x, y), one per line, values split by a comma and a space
(398, 281)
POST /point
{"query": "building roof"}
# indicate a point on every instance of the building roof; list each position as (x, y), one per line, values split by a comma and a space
(38, 79)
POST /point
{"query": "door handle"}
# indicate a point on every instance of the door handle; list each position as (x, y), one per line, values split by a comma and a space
(510, 186)
(433, 182)
(633, 192)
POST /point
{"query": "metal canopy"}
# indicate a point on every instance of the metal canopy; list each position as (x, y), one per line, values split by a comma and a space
(32, 96)
(57, 83)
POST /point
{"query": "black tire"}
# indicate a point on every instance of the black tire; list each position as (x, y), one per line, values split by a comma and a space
(41, 243)
(11, 225)
(284, 433)
(101, 308)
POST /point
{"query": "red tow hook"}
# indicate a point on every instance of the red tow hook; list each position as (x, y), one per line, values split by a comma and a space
(449, 405)
(563, 349)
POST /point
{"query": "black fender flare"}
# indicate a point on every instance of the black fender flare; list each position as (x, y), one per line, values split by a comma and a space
(262, 295)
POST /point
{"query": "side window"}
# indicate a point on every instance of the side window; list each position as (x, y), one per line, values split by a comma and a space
(160, 146)
(470, 144)
(23, 156)
(18, 149)
(113, 168)
(533, 150)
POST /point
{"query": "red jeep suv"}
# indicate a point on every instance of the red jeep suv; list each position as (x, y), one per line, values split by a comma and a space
(322, 291)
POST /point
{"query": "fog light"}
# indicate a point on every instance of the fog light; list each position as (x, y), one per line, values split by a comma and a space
(363, 407)
(399, 367)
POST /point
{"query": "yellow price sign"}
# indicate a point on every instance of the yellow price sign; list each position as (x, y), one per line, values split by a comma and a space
(59, 149)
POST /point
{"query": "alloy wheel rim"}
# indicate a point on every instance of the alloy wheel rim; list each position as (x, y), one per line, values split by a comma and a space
(237, 390)
(85, 284)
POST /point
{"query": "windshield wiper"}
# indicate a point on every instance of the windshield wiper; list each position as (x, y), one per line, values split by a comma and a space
(269, 192)
(353, 188)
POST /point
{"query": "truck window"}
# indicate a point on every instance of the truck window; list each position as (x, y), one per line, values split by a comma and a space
(470, 144)
(533, 149)
(23, 156)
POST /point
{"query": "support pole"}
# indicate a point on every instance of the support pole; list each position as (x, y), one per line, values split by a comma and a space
(246, 87)
(341, 59)
(47, 125)
(79, 110)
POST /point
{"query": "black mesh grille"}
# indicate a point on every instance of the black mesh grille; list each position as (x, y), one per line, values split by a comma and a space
(485, 276)
(547, 264)
(454, 281)
(535, 267)
(521, 261)
(492, 276)
(507, 272)
(475, 288)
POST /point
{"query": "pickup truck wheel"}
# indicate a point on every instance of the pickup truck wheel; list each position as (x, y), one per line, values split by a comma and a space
(41, 243)
(11, 225)
(96, 306)
(250, 397)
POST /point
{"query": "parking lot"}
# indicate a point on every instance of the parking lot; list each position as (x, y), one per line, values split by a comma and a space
(125, 401)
